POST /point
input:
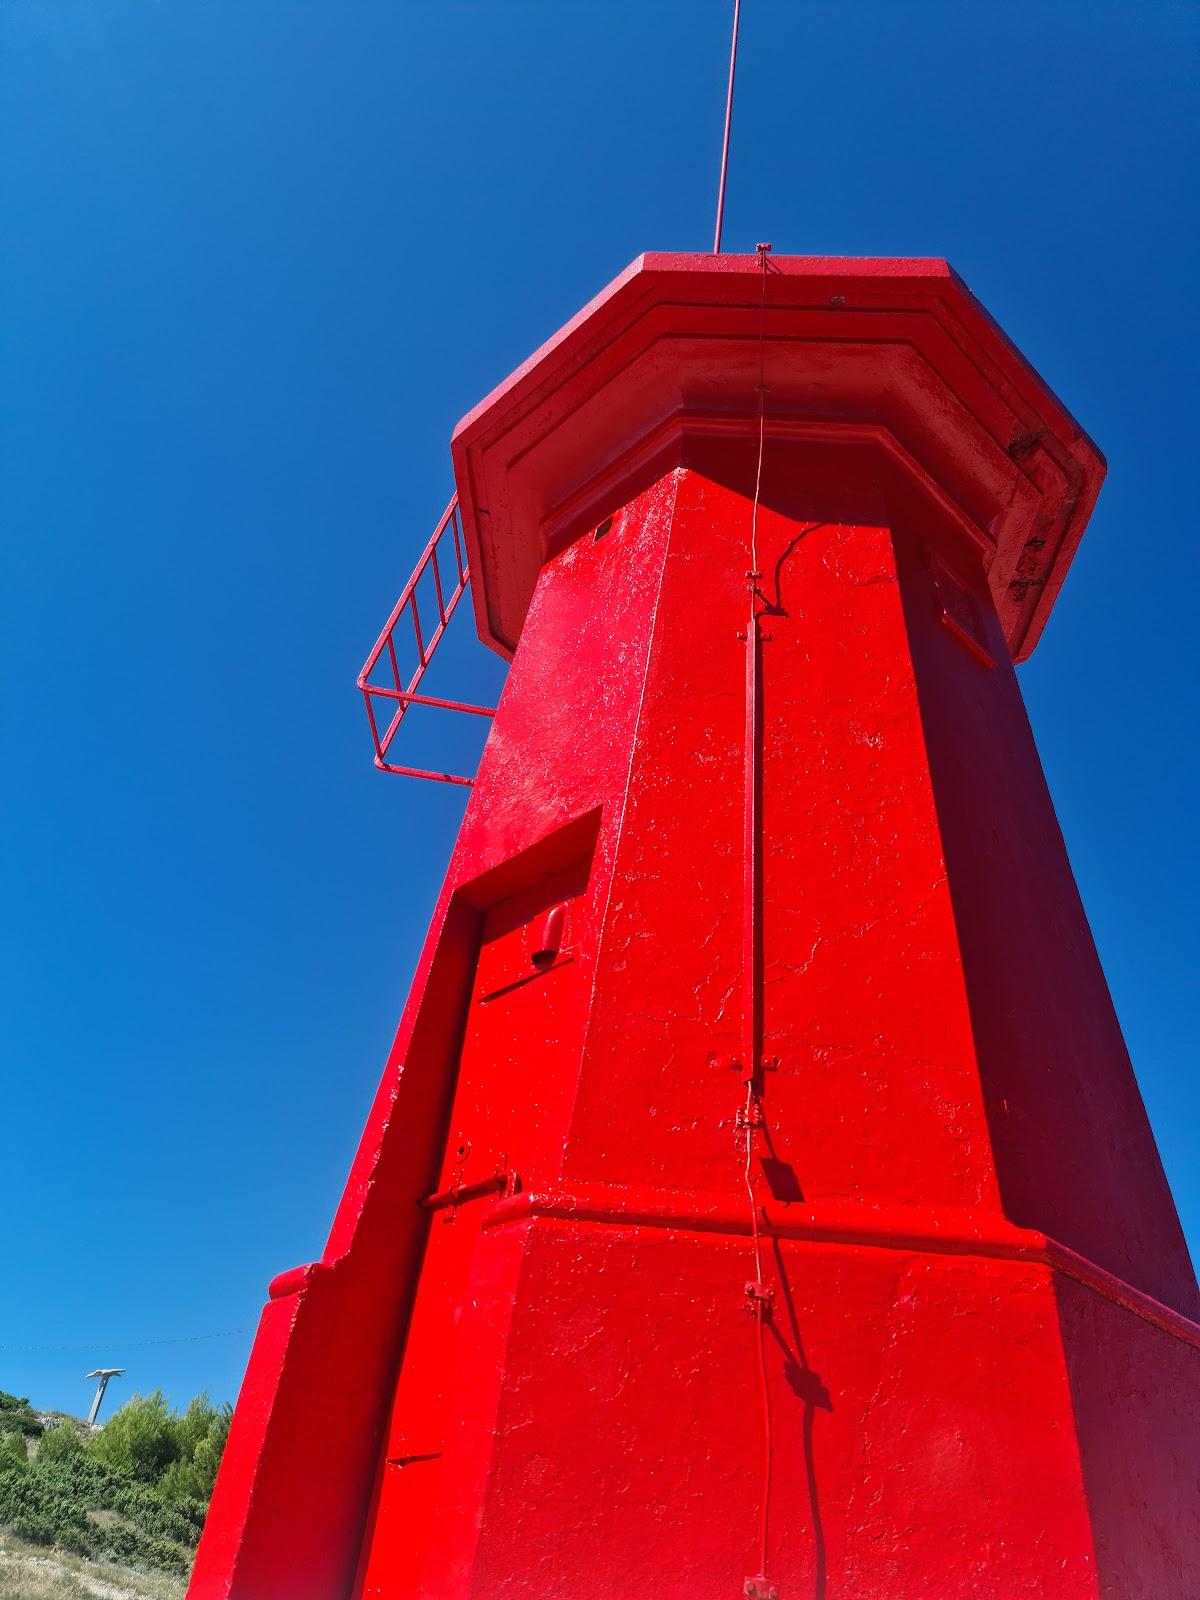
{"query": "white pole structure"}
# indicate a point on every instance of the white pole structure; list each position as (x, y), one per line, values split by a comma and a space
(104, 1374)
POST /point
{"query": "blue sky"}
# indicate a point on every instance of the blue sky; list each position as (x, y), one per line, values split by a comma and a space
(259, 259)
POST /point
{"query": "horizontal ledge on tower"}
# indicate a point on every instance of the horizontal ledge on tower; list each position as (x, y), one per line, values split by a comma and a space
(945, 1231)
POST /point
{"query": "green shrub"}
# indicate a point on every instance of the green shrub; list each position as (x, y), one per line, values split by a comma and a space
(134, 1549)
(142, 1438)
(17, 1416)
(33, 1528)
(203, 1421)
(151, 1466)
(120, 1543)
(75, 1541)
(59, 1444)
(29, 1498)
(167, 1557)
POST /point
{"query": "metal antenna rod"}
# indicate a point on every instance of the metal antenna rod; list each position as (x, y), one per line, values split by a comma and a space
(737, 17)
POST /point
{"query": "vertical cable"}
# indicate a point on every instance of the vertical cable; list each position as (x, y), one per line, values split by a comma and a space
(761, 392)
(751, 1116)
(733, 47)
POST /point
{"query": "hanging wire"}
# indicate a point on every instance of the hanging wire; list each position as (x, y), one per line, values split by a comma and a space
(733, 48)
(122, 1344)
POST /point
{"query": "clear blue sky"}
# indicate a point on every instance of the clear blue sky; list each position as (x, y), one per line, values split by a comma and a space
(259, 259)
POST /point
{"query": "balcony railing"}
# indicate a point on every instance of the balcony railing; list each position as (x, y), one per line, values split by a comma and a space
(444, 559)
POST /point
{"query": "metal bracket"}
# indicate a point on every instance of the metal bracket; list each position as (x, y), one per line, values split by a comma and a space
(502, 1181)
(748, 1120)
(735, 1064)
(758, 1294)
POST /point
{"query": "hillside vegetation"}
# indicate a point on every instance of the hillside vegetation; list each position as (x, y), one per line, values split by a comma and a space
(135, 1492)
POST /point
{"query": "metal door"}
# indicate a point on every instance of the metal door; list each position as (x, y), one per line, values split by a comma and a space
(512, 1099)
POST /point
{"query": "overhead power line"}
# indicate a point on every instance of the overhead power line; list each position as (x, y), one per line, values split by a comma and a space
(124, 1344)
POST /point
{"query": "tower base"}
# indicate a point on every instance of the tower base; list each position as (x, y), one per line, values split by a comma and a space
(951, 1418)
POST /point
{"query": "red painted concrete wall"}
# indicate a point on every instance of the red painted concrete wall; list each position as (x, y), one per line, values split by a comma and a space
(982, 1380)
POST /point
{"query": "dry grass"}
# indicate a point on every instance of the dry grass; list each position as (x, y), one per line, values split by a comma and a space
(29, 1572)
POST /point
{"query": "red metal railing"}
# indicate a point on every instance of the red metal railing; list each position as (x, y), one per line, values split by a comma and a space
(448, 589)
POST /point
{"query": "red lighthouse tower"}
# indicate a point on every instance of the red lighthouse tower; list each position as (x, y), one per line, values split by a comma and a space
(758, 1198)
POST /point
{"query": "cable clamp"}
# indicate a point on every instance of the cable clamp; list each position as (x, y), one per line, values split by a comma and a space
(758, 1294)
(760, 1588)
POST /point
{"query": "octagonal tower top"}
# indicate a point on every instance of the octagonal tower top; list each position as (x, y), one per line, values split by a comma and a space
(897, 353)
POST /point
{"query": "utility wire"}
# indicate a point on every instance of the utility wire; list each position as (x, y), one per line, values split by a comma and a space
(125, 1344)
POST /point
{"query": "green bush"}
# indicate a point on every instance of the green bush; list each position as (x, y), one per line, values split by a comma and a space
(134, 1549)
(167, 1557)
(35, 1529)
(59, 1444)
(151, 1466)
(32, 1497)
(201, 1422)
(75, 1541)
(120, 1543)
(17, 1416)
(142, 1438)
